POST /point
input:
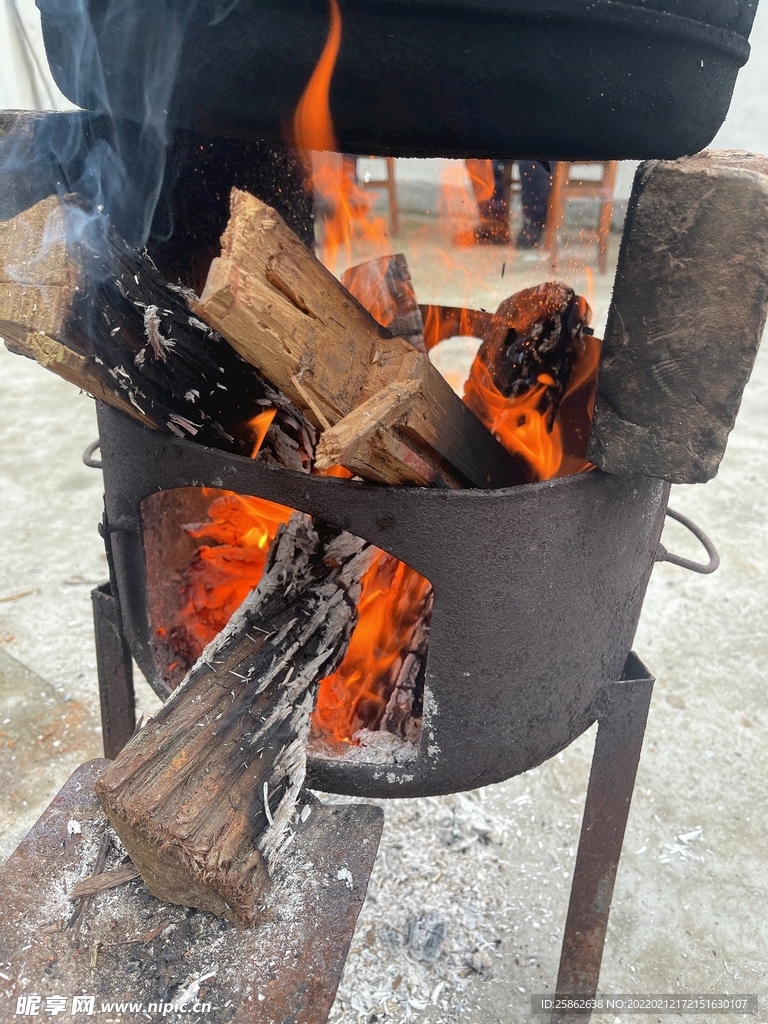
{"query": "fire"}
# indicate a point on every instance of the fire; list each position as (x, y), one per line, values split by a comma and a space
(391, 607)
(346, 209)
(259, 426)
(434, 330)
(553, 445)
(226, 568)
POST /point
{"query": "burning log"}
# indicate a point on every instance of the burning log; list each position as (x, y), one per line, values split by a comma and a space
(534, 377)
(284, 312)
(203, 796)
(384, 287)
(82, 303)
(688, 310)
(441, 322)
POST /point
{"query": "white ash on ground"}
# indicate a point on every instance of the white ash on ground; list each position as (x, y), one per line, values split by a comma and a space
(449, 902)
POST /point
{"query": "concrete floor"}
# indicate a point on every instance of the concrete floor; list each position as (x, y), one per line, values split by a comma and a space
(691, 900)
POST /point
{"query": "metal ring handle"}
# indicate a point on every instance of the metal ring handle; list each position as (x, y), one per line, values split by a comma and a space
(88, 458)
(662, 555)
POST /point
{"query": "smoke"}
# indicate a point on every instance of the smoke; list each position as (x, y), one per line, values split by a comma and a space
(116, 157)
(118, 60)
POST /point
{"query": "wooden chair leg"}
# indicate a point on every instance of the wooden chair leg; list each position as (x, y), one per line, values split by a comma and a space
(556, 207)
(394, 212)
(606, 214)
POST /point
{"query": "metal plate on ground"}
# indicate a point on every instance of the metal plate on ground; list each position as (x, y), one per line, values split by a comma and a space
(128, 947)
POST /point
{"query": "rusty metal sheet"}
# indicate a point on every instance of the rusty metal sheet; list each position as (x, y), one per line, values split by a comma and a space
(127, 947)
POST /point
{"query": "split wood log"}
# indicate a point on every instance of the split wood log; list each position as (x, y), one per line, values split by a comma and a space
(78, 300)
(384, 287)
(284, 312)
(688, 310)
(203, 796)
(371, 443)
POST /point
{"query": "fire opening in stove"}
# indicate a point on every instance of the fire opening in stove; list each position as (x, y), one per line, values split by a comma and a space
(199, 574)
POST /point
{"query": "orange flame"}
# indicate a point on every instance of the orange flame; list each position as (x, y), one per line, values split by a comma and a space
(227, 568)
(230, 564)
(523, 429)
(259, 425)
(443, 322)
(312, 123)
(391, 606)
(346, 208)
(481, 176)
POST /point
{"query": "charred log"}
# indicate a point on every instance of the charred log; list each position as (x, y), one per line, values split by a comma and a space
(80, 301)
(203, 796)
(384, 287)
(535, 337)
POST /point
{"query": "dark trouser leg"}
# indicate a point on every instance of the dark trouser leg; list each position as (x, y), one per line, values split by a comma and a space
(493, 210)
(535, 186)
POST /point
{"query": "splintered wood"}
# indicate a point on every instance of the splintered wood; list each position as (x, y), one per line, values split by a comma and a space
(83, 304)
(203, 796)
(280, 308)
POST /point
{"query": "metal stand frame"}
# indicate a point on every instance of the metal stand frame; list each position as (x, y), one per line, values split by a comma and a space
(622, 713)
(115, 672)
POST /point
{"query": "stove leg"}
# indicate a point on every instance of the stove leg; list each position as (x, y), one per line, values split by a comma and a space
(113, 663)
(622, 716)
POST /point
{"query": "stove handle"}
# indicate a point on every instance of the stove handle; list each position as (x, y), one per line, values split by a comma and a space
(88, 454)
(662, 555)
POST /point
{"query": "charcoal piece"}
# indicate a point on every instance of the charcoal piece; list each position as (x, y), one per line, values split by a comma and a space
(688, 311)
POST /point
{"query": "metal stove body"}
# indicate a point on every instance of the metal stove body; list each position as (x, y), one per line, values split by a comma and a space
(538, 591)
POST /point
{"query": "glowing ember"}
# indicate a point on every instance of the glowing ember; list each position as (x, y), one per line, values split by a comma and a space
(227, 568)
(345, 209)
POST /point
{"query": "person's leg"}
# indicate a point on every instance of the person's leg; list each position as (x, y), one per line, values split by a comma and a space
(487, 178)
(535, 186)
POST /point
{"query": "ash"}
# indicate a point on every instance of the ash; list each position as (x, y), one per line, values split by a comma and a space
(439, 928)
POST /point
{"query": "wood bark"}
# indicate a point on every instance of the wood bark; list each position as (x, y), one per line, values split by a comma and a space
(78, 300)
(203, 796)
(687, 314)
(284, 312)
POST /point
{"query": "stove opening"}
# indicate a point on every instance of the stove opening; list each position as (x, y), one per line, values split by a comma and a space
(205, 550)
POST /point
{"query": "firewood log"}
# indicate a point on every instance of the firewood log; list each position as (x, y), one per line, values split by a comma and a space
(534, 378)
(203, 796)
(384, 287)
(82, 303)
(280, 308)
(535, 337)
